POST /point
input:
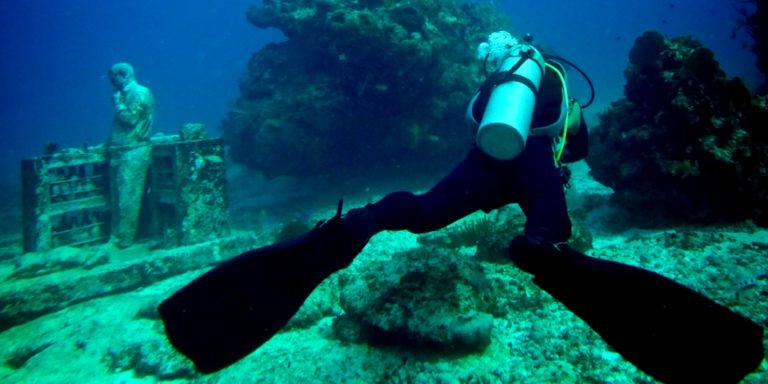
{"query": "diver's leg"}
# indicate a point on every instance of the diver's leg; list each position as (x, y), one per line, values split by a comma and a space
(654, 322)
(471, 186)
(541, 194)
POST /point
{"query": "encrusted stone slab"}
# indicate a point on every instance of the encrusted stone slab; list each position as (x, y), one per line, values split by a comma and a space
(24, 299)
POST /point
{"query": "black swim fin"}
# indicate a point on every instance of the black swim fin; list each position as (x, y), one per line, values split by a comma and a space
(667, 330)
(231, 310)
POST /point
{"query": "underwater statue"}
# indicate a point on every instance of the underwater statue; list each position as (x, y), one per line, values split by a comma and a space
(134, 107)
(129, 151)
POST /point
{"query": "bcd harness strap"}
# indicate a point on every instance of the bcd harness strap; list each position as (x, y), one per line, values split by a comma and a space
(500, 77)
(497, 78)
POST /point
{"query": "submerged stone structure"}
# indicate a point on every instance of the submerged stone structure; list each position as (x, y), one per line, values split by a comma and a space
(686, 143)
(66, 195)
(359, 87)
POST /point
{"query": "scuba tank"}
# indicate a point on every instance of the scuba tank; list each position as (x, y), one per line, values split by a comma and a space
(511, 92)
(505, 103)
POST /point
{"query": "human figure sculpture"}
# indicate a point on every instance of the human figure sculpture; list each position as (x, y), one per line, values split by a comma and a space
(134, 106)
(129, 151)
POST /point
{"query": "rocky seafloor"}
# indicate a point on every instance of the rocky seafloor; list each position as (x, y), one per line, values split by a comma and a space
(87, 316)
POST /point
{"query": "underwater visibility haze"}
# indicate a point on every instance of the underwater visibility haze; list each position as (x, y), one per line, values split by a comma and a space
(145, 145)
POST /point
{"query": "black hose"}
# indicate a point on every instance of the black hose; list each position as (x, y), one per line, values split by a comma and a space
(576, 67)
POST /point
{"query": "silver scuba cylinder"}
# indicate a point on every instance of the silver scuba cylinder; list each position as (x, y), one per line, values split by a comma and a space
(506, 121)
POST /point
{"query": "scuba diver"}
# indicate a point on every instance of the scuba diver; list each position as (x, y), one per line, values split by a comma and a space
(526, 127)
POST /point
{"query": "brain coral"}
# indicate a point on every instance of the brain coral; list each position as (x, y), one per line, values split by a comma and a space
(686, 142)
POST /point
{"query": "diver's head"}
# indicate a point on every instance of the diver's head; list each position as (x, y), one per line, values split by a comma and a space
(121, 74)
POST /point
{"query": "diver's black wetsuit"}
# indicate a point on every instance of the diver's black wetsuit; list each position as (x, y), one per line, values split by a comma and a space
(481, 182)
(654, 322)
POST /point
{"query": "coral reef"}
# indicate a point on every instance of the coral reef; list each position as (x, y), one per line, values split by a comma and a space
(439, 296)
(686, 142)
(358, 86)
(490, 233)
(429, 298)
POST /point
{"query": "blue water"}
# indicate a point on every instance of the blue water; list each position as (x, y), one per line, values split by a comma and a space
(54, 56)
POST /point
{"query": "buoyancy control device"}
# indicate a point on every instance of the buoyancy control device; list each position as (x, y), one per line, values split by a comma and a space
(504, 105)
(511, 95)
